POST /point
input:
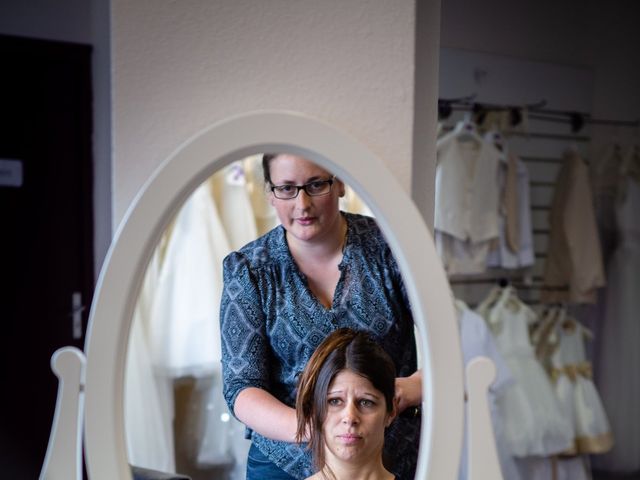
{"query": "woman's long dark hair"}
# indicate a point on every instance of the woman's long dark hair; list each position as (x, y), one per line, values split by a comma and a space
(344, 349)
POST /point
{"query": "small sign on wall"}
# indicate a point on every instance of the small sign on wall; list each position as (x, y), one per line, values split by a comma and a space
(10, 172)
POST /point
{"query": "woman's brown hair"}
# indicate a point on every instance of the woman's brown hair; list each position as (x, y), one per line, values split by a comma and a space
(266, 168)
(344, 349)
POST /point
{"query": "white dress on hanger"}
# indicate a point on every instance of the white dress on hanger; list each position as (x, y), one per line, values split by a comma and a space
(231, 196)
(534, 423)
(476, 340)
(148, 398)
(619, 355)
(184, 328)
(575, 389)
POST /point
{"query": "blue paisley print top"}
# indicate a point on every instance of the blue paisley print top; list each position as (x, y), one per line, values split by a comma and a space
(271, 323)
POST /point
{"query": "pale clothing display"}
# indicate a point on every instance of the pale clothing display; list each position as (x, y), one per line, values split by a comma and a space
(503, 255)
(510, 202)
(534, 423)
(573, 238)
(476, 340)
(148, 397)
(554, 468)
(461, 257)
(234, 205)
(184, 331)
(572, 374)
(467, 200)
(220, 437)
(619, 353)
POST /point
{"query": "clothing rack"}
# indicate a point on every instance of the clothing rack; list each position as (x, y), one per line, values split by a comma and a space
(540, 135)
(536, 111)
(520, 284)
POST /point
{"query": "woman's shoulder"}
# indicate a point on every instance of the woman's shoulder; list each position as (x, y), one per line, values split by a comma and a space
(365, 232)
(363, 226)
(262, 251)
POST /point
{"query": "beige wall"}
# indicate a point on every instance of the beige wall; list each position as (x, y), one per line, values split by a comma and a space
(180, 66)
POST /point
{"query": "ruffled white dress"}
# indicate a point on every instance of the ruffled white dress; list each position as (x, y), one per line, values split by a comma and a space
(575, 389)
(534, 424)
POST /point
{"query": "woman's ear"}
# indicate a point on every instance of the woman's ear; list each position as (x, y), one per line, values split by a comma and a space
(391, 416)
(342, 190)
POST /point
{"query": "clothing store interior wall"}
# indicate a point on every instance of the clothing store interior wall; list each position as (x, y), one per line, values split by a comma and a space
(552, 78)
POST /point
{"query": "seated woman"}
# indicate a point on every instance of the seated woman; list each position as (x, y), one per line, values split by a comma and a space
(345, 402)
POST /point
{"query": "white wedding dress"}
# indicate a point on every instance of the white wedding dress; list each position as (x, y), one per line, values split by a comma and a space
(617, 375)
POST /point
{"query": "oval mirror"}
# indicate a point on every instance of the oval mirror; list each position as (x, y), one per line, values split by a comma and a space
(158, 201)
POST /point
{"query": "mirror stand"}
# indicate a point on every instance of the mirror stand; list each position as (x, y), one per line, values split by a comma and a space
(64, 452)
(119, 282)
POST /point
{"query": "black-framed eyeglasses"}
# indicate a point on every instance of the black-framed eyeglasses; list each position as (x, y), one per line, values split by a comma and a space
(317, 188)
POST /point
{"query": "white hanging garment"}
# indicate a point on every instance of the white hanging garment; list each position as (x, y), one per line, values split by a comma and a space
(573, 238)
(563, 383)
(148, 398)
(554, 468)
(617, 376)
(572, 374)
(534, 423)
(231, 197)
(502, 255)
(476, 340)
(467, 200)
(184, 328)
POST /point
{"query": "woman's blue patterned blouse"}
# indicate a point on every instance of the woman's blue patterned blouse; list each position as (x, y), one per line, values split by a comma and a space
(271, 323)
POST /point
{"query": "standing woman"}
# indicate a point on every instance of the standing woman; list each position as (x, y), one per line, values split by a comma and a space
(320, 270)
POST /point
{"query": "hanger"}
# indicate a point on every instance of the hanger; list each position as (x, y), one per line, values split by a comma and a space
(235, 175)
(466, 129)
(486, 304)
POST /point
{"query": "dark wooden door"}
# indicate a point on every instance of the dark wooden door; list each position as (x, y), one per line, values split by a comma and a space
(46, 233)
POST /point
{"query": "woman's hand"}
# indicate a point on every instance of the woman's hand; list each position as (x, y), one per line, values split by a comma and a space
(408, 391)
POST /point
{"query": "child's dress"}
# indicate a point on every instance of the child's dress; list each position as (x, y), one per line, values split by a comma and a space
(534, 423)
(574, 386)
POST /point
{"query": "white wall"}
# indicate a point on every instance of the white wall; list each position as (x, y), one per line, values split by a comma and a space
(178, 70)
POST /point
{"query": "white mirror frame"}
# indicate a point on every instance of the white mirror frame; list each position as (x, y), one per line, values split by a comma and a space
(161, 197)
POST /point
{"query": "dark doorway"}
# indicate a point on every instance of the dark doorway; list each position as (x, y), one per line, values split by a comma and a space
(46, 239)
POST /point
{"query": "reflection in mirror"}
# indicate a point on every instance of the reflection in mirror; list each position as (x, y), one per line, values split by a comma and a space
(176, 418)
